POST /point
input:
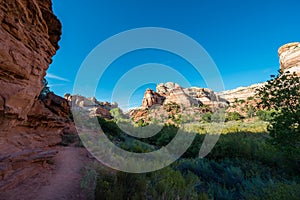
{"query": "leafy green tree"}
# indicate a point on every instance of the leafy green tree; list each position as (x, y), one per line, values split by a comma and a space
(242, 101)
(282, 94)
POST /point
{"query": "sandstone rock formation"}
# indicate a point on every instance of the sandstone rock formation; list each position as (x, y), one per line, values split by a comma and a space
(186, 97)
(152, 98)
(57, 105)
(206, 96)
(166, 88)
(90, 107)
(170, 99)
(240, 93)
(29, 36)
(289, 55)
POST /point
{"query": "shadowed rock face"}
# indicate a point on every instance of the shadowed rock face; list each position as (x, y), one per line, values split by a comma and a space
(29, 35)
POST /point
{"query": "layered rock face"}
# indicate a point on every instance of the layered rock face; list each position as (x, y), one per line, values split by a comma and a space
(170, 99)
(174, 93)
(29, 37)
(90, 107)
(240, 93)
(188, 97)
(289, 55)
(152, 98)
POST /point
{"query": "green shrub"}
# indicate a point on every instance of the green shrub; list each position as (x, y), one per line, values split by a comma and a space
(242, 165)
(233, 116)
(117, 114)
(89, 180)
(266, 115)
(206, 117)
(109, 127)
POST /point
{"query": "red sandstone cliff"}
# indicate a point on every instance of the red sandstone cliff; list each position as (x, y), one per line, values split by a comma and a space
(29, 36)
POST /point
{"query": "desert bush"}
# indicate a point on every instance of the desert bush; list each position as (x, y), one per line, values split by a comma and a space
(206, 117)
(242, 165)
(109, 127)
(89, 180)
(134, 145)
(233, 116)
(117, 114)
(266, 115)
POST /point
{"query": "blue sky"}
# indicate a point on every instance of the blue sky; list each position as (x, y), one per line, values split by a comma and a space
(242, 37)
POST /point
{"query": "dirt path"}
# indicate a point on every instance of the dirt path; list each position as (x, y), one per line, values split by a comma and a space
(65, 182)
(60, 183)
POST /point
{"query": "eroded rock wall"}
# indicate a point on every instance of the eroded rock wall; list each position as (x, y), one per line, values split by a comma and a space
(29, 35)
(289, 55)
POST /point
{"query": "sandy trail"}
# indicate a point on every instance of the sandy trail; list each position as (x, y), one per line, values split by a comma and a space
(60, 183)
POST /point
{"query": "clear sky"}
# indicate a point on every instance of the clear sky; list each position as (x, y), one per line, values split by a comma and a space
(241, 36)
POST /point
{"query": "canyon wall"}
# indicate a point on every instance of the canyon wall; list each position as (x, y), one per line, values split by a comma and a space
(289, 55)
(29, 127)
